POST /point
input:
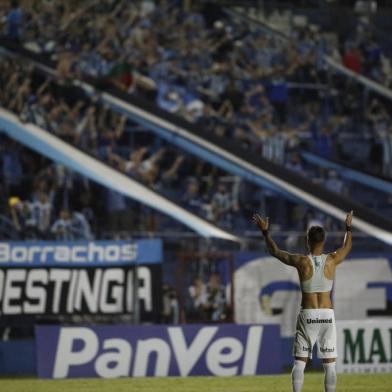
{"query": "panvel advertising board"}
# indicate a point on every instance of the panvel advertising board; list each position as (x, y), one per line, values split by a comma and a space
(364, 346)
(139, 351)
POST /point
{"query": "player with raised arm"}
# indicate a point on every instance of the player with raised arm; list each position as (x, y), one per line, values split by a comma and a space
(316, 319)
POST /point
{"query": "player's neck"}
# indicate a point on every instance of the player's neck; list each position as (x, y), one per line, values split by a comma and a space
(317, 250)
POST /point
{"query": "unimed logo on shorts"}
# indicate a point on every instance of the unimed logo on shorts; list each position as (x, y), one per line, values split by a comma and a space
(319, 321)
(120, 351)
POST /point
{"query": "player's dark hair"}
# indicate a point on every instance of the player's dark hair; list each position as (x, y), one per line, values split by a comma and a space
(316, 234)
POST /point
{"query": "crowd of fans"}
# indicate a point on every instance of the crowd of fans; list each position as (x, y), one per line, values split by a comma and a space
(100, 132)
(216, 72)
(42, 200)
(363, 54)
(197, 186)
(207, 302)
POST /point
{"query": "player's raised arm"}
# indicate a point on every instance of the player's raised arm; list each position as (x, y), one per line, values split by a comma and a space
(285, 257)
(340, 254)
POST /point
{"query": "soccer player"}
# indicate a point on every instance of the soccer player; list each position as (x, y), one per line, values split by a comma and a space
(316, 320)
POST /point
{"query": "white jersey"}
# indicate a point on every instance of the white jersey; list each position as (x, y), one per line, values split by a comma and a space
(318, 283)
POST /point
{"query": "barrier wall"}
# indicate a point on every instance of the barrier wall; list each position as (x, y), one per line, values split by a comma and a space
(18, 357)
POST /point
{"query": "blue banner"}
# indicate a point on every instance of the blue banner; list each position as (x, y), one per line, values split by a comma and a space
(80, 253)
(139, 351)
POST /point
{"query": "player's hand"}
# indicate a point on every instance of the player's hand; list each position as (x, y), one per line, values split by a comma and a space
(349, 218)
(262, 223)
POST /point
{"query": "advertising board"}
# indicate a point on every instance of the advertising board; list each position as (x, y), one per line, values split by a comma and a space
(364, 346)
(139, 351)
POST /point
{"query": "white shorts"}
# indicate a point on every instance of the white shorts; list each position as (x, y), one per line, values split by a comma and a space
(315, 325)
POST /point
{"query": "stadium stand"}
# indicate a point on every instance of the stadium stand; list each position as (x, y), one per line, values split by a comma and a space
(230, 78)
(206, 109)
(102, 135)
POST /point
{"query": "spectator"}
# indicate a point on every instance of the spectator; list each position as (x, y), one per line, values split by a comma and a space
(22, 219)
(171, 310)
(119, 218)
(14, 21)
(222, 206)
(278, 95)
(352, 60)
(171, 176)
(386, 138)
(80, 226)
(148, 170)
(41, 212)
(62, 227)
(334, 183)
(198, 300)
(295, 164)
(88, 212)
(323, 142)
(12, 170)
(191, 199)
(216, 299)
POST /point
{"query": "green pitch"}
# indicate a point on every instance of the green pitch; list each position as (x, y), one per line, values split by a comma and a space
(313, 383)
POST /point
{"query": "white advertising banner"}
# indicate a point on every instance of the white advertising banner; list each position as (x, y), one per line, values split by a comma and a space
(364, 346)
(268, 292)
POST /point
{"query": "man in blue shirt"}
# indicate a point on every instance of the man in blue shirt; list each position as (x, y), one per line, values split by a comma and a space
(14, 21)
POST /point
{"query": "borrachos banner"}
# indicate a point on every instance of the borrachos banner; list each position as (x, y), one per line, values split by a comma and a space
(79, 253)
(84, 291)
(267, 291)
(138, 351)
(364, 346)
